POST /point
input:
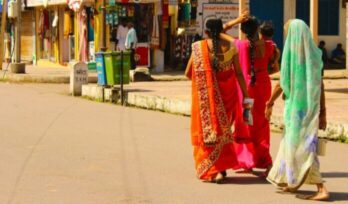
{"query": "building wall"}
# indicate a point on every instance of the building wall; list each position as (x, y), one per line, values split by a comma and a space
(331, 41)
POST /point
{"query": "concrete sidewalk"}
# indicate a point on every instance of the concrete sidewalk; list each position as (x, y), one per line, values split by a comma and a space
(61, 74)
(175, 97)
(42, 74)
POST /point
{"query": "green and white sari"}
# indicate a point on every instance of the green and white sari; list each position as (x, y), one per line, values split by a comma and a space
(297, 160)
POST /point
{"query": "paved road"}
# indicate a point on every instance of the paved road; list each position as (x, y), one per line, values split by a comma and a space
(57, 149)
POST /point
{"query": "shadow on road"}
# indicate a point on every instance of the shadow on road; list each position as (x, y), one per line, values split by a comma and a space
(242, 180)
(335, 174)
(342, 90)
(138, 90)
(334, 196)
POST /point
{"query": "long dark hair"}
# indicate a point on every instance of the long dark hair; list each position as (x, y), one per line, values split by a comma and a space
(250, 28)
(213, 28)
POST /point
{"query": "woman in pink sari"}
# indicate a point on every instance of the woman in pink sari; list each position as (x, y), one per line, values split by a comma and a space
(252, 142)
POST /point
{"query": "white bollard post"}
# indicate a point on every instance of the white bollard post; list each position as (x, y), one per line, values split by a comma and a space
(78, 77)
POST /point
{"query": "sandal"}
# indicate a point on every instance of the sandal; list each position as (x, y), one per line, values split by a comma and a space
(219, 178)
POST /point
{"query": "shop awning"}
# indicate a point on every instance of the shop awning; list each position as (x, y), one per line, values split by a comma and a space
(34, 3)
(138, 1)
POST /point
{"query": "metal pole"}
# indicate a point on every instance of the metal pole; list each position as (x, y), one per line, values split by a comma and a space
(3, 27)
(121, 79)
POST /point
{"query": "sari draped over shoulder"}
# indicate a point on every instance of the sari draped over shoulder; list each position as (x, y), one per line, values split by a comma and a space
(214, 100)
(297, 160)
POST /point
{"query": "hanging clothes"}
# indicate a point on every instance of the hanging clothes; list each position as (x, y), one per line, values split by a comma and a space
(165, 14)
(123, 11)
(90, 19)
(155, 33)
(187, 11)
(180, 13)
(193, 13)
(83, 51)
(67, 24)
(44, 24)
(130, 11)
(177, 50)
(55, 27)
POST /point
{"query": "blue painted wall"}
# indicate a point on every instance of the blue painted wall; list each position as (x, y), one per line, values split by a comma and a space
(270, 10)
(328, 15)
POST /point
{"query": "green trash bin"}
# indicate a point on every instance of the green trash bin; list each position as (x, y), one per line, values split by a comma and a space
(113, 67)
(92, 66)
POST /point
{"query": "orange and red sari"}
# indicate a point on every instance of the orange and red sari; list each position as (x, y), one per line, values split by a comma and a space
(214, 101)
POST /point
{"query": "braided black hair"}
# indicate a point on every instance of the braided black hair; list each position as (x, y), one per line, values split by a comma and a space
(250, 28)
(214, 27)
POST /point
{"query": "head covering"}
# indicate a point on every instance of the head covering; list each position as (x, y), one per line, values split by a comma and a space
(301, 60)
(297, 160)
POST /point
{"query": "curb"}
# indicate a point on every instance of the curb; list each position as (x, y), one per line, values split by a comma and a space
(65, 79)
(23, 78)
(183, 107)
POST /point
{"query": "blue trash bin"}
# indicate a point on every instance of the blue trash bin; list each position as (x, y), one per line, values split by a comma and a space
(99, 58)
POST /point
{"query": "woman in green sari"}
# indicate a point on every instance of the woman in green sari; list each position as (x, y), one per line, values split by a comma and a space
(301, 83)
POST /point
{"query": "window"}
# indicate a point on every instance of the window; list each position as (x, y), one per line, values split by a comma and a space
(328, 15)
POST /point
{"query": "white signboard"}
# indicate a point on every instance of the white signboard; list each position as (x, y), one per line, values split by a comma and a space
(33, 3)
(226, 12)
(225, 9)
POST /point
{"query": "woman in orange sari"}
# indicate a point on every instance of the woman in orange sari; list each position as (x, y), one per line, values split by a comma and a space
(214, 69)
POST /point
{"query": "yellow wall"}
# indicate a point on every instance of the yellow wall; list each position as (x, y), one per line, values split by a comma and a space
(98, 33)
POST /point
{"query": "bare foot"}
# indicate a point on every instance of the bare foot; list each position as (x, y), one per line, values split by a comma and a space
(319, 196)
(289, 190)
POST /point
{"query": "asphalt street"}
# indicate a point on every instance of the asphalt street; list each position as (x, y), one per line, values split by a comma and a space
(56, 149)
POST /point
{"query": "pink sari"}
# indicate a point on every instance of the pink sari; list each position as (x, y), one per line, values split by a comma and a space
(252, 142)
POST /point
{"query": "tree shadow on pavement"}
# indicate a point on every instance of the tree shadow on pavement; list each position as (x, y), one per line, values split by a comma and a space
(339, 90)
(334, 196)
(335, 174)
(243, 180)
(138, 90)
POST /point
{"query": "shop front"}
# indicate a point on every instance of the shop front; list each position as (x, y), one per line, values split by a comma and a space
(178, 32)
(61, 34)
(141, 14)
